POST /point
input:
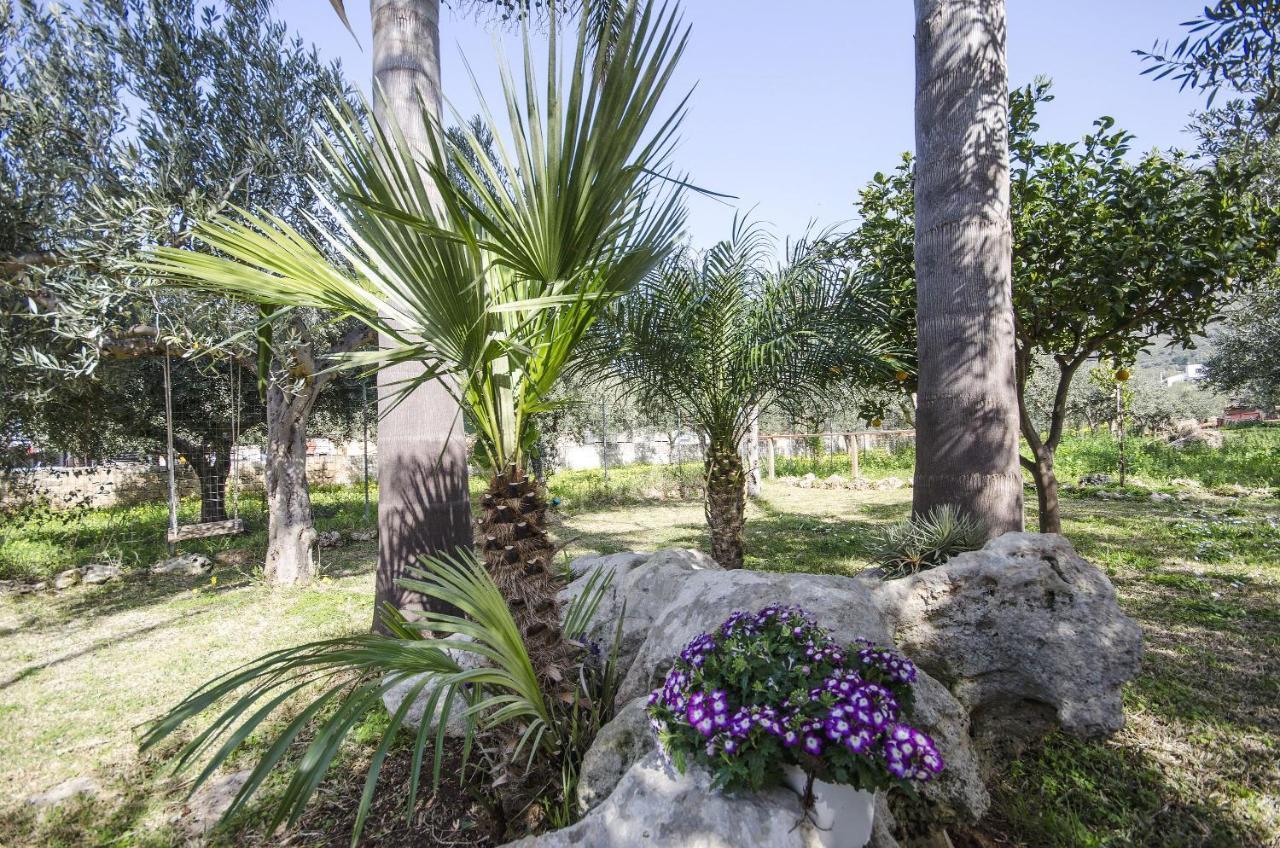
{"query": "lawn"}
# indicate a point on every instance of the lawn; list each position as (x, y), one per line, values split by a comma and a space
(1196, 764)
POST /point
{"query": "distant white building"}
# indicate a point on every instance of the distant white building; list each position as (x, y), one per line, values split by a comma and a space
(1194, 372)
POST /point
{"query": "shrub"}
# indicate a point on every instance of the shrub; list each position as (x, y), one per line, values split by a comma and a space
(911, 546)
(772, 689)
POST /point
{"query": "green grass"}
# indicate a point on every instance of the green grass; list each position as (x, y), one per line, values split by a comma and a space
(1194, 766)
(38, 546)
(1250, 456)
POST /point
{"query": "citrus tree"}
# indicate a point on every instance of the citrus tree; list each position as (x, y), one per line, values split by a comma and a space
(1109, 254)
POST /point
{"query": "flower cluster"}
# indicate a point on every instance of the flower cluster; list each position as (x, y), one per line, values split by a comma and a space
(771, 688)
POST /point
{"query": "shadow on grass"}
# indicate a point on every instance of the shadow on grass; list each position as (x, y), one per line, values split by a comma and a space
(139, 590)
(1065, 793)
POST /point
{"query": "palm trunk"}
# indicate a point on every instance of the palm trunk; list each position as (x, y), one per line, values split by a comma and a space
(518, 554)
(753, 456)
(424, 506)
(967, 412)
(291, 534)
(726, 503)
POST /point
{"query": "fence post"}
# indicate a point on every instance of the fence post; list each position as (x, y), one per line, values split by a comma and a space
(852, 441)
(772, 466)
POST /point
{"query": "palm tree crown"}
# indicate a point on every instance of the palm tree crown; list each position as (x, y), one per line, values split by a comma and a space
(725, 333)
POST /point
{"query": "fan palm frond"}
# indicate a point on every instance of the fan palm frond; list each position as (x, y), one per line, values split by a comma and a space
(346, 678)
(495, 283)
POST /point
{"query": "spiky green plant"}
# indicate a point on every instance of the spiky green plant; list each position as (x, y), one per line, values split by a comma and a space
(724, 334)
(346, 678)
(492, 291)
(915, 544)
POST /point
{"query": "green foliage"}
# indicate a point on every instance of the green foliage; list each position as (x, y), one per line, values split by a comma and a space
(346, 678)
(152, 145)
(1246, 353)
(1247, 457)
(1231, 44)
(494, 291)
(1109, 253)
(772, 688)
(720, 336)
(911, 546)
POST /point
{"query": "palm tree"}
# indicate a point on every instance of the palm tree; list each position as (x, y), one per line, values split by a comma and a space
(721, 335)
(424, 505)
(491, 294)
(967, 404)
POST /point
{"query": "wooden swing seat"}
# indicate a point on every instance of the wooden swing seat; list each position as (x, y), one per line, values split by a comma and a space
(207, 530)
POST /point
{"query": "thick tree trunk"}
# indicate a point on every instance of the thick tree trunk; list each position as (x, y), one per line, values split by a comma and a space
(1046, 480)
(291, 534)
(519, 556)
(423, 503)
(967, 411)
(210, 464)
(726, 503)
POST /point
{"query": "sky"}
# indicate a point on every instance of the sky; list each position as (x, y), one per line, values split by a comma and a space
(799, 102)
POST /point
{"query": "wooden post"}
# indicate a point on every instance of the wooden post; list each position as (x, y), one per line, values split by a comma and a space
(772, 466)
(852, 441)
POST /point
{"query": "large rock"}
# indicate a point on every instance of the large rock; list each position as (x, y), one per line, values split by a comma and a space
(455, 723)
(101, 572)
(647, 583)
(620, 744)
(848, 610)
(67, 579)
(193, 565)
(1025, 633)
(704, 599)
(652, 805)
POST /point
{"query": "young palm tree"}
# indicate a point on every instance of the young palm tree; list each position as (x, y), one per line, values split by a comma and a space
(721, 335)
(492, 293)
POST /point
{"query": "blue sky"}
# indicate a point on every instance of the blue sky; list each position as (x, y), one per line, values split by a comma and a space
(798, 103)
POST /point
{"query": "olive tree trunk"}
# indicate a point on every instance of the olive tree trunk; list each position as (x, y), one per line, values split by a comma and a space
(291, 534)
(211, 463)
(967, 408)
(725, 502)
(423, 502)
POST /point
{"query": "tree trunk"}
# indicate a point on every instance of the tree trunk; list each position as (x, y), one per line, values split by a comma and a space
(753, 456)
(423, 503)
(726, 503)
(1046, 489)
(967, 412)
(519, 557)
(210, 464)
(291, 534)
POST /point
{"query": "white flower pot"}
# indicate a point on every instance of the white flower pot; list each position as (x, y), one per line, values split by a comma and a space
(842, 814)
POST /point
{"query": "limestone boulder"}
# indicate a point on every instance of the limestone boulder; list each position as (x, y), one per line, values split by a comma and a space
(646, 583)
(654, 805)
(455, 723)
(67, 579)
(620, 744)
(705, 598)
(329, 539)
(1025, 633)
(101, 572)
(193, 565)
